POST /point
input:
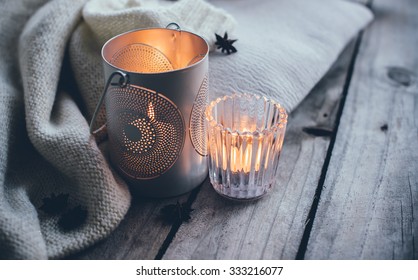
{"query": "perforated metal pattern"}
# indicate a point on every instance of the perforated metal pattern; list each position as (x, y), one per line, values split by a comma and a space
(197, 119)
(141, 58)
(148, 128)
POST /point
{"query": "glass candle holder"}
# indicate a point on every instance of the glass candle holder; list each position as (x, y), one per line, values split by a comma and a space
(245, 138)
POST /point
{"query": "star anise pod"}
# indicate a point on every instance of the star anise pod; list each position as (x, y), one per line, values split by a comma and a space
(54, 204)
(176, 213)
(73, 218)
(225, 44)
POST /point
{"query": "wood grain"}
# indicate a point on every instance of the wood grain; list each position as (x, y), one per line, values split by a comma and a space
(272, 227)
(139, 236)
(369, 202)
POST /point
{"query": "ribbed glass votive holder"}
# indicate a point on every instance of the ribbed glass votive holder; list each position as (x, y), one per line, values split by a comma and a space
(245, 138)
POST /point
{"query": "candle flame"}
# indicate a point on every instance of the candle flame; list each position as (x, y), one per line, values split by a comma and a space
(243, 158)
(246, 160)
(151, 113)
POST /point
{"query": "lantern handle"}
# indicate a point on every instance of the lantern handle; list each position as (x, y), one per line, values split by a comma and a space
(171, 24)
(123, 81)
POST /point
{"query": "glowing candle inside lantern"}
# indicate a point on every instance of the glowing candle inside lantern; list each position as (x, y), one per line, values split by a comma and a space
(151, 113)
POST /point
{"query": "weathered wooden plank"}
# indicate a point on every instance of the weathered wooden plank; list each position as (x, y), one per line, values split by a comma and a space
(272, 227)
(369, 203)
(139, 236)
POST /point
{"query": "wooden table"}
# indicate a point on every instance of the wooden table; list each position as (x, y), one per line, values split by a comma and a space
(347, 186)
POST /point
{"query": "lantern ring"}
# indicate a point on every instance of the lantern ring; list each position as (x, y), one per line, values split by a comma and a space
(171, 24)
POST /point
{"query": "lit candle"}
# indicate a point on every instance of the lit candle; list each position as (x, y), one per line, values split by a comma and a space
(240, 158)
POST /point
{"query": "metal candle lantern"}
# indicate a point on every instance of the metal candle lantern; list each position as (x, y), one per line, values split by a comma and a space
(155, 96)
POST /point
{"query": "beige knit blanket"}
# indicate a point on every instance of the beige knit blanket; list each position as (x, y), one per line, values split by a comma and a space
(58, 193)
